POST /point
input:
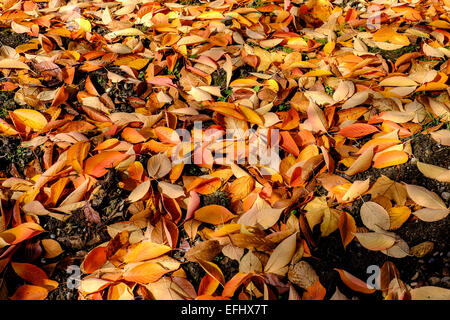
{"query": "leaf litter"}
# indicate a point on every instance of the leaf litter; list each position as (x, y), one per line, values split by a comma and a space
(90, 174)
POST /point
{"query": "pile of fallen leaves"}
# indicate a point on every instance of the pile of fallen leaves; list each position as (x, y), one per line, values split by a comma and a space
(347, 86)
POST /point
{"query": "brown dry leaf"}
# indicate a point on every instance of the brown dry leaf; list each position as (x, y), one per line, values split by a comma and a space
(441, 136)
(375, 241)
(205, 250)
(425, 197)
(139, 192)
(431, 215)
(391, 189)
(158, 166)
(430, 293)
(362, 163)
(434, 172)
(261, 215)
(250, 262)
(422, 249)
(281, 256)
(357, 189)
(374, 216)
(302, 274)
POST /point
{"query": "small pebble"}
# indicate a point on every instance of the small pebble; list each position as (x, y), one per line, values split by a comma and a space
(445, 195)
(431, 260)
(413, 284)
(446, 281)
(434, 280)
(52, 236)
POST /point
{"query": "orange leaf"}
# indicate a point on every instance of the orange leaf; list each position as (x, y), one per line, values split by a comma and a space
(288, 143)
(387, 34)
(204, 186)
(97, 165)
(20, 233)
(208, 285)
(6, 128)
(315, 292)
(354, 283)
(234, 283)
(357, 130)
(94, 260)
(61, 96)
(120, 291)
(29, 292)
(77, 153)
(251, 115)
(213, 270)
(146, 250)
(398, 216)
(132, 135)
(347, 227)
(390, 158)
(107, 144)
(230, 112)
(167, 135)
(145, 273)
(213, 214)
(379, 144)
(29, 272)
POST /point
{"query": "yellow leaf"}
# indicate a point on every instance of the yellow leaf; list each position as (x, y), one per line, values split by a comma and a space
(251, 115)
(387, 34)
(31, 118)
(329, 47)
(318, 73)
(211, 15)
(137, 64)
(84, 24)
(398, 216)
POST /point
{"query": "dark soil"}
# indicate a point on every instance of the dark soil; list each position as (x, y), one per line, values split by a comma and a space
(218, 197)
(432, 269)
(219, 78)
(195, 272)
(78, 236)
(14, 158)
(11, 39)
(7, 103)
